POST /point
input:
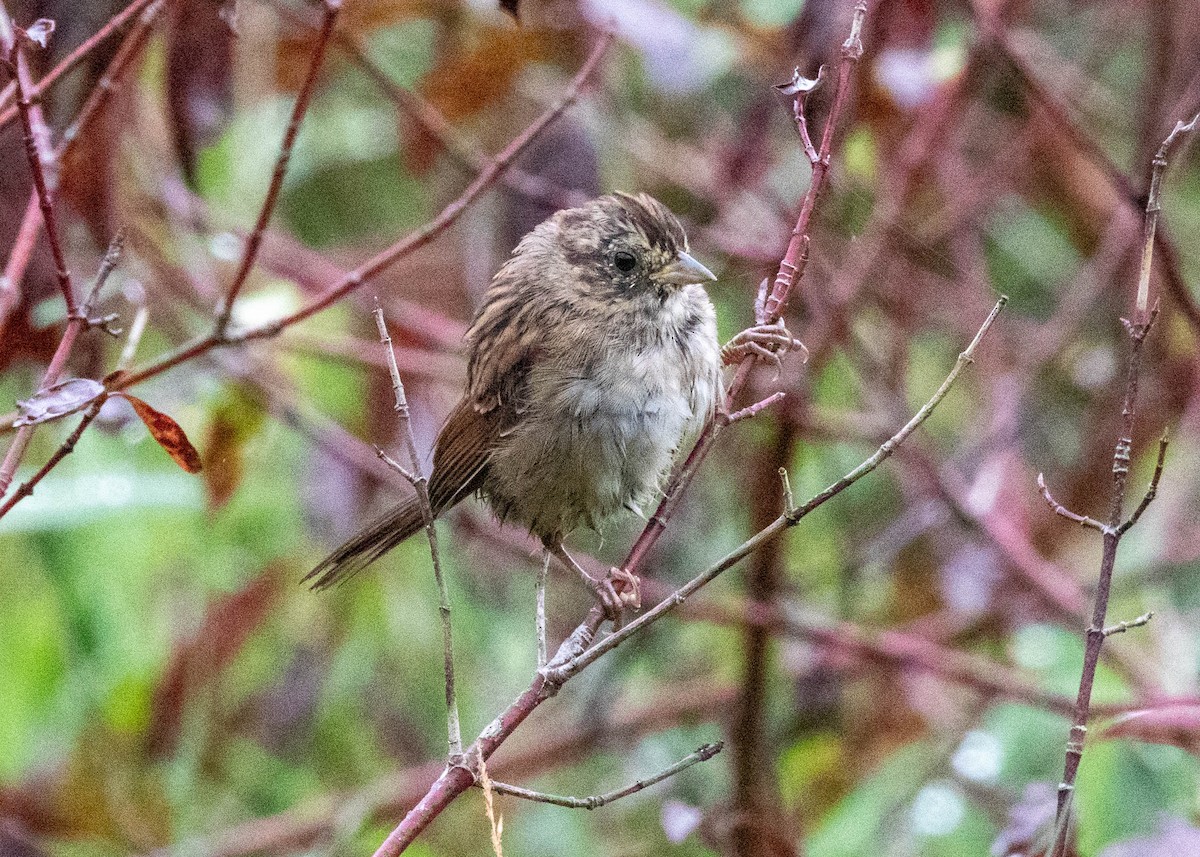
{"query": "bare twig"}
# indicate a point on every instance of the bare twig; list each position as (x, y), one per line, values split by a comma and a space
(421, 484)
(1122, 627)
(1059, 509)
(73, 59)
(1144, 316)
(495, 826)
(791, 270)
(299, 109)
(26, 488)
(790, 518)
(702, 754)
(1152, 490)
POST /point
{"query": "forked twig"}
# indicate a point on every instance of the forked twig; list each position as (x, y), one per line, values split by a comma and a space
(420, 484)
(702, 754)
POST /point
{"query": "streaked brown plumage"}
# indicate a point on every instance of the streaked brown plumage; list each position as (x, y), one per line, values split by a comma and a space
(593, 355)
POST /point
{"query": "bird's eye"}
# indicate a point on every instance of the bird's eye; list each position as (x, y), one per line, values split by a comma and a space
(624, 260)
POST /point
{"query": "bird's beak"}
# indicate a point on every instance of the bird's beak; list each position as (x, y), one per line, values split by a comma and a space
(685, 271)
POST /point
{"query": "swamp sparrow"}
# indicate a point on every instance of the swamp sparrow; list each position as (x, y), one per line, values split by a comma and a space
(592, 357)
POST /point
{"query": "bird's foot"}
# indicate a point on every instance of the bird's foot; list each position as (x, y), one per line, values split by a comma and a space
(762, 342)
(616, 591)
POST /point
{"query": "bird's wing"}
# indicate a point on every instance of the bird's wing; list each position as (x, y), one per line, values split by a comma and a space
(460, 457)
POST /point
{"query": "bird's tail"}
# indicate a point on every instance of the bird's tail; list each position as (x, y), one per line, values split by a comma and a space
(368, 545)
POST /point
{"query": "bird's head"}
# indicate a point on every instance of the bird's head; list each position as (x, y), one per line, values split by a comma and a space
(624, 246)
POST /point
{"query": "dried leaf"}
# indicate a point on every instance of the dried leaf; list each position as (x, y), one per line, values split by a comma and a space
(39, 32)
(200, 659)
(58, 400)
(234, 422)
(799, 84)
(168, 433)
(1176, 725)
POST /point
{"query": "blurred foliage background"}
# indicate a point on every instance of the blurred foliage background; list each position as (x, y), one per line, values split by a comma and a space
(167, 687)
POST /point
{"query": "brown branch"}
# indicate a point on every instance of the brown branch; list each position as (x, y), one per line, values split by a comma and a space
(702, 754)
(8, 113)
(360, 275)
(25, 489)
(1137, 330)
(420, 483)
(579, 650)
(1152, 490)
(299, 109)
(1059, 509)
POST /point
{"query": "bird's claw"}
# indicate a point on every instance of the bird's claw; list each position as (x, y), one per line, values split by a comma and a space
(616, 591)
(767, 342)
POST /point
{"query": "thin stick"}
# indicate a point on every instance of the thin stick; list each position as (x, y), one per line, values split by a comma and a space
(788, 519)
(1061, 510)
(421, 484)
(1137, 330)
(299, 109)
(73, 59)
(540, 616)
(25, 489)
(1152, 490)
(14, 62)
(702, 754)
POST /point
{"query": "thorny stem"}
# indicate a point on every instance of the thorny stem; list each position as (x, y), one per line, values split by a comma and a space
(421, 484)
(791, 270)
(702, 754)
(299, 109)
(1137, 330)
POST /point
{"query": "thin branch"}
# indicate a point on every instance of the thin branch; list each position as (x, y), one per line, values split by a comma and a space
(356, 278)
(1122, 627)
(577, 652)
(299, 109)
(756, 408)
(791, 270)
(1137, 330)
(106, 86)
(25, 489)
(73, 59)
(14, 61)
(1059, 509)
(1153, 206)
(421, 483)
(1152, 491)
(702, 754)
(793, 516)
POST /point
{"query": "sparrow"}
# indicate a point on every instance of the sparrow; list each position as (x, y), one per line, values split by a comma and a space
(593, 356)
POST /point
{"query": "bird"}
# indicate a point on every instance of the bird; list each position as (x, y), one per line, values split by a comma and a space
(592, 357)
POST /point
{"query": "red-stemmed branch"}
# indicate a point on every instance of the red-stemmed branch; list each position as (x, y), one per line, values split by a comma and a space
(580, 650)
(299, 109)
(791, 270)
(389, 256)
(73, 59)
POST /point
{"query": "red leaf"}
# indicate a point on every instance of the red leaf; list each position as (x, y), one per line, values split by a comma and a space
(58, 400)
(168, 434)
